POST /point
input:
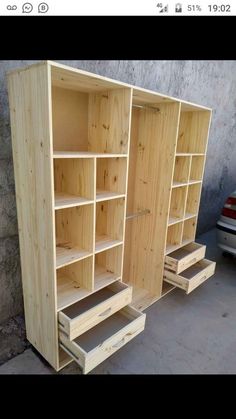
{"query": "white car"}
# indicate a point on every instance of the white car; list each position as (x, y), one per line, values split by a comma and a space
(226, 226)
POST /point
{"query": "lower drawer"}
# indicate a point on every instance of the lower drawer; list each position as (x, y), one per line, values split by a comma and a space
(192, 277)
(183, 258)
(87, 313)
(98, 343)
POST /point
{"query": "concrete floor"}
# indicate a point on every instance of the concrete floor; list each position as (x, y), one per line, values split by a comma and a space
(184, 334)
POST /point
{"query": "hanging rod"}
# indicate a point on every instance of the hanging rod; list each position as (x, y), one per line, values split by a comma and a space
(137, 214)
(146, 106)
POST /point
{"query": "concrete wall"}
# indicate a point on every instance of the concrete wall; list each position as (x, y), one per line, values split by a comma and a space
(211, 83)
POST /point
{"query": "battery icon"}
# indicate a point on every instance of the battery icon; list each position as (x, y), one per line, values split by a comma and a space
(178, 8)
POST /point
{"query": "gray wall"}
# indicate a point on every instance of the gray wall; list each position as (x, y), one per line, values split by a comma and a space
(210, 83)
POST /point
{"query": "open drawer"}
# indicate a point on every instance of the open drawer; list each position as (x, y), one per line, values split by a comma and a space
(192, 277)
(98, 343)
(81, 316)
(183, 258)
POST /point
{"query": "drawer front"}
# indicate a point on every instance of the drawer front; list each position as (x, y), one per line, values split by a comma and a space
(90, 318)
(96, 355)
(195, 251)
(206, 269)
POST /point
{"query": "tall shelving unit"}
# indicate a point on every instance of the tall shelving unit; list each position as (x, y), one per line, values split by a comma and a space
(108, 182)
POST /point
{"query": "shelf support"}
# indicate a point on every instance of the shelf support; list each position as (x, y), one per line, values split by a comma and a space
(137, 214)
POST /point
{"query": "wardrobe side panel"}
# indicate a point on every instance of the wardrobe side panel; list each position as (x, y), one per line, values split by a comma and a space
(30, 109)
(150, 179)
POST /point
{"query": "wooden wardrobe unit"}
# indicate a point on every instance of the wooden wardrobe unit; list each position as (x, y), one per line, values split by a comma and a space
(108, 182)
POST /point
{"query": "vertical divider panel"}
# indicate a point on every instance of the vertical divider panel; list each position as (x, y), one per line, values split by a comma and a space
(94, 217)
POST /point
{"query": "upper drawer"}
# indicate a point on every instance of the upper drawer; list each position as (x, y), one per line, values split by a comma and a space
(192, 277)
(185, 257)
(81, 316)
(94, 346)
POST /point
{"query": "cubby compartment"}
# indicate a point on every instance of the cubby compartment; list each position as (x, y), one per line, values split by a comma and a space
(181, 171)
(109, 224)
(74, 234)
(174, 236)
(74, 282)
(189, 230)
(111, 178)
(177, 203)
(197, 167)
(108, 266)
(88, 121)
(73, 182)
(193, 199)
(193, 131)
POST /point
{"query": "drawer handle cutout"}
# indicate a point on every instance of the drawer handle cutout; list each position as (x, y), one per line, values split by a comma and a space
(105, 312)
(121, 342)
(193, 260)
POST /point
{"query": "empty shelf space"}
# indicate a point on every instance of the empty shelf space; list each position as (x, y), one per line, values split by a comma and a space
(189, 230)
(68, 292)
(107, 195)
(177, 204)
(197, 167)
(74, 234)
(193, 132)
(111, 178)
(84, 155)
(108, 266)
(174, 235)
(103, 277)
(73, 182)
(67, 253)
(109, 224)
(181, 169)
(104, 242)
(63, 200)
(74, 282)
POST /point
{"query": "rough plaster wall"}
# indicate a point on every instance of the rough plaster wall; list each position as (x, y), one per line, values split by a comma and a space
(210, 83)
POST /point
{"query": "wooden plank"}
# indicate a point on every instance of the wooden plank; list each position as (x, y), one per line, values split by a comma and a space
(102, 195)
(85, 155)
(67, 253)
(104, 242)
(154, 136)
(30, 108)
(64, 200)
(109, 118)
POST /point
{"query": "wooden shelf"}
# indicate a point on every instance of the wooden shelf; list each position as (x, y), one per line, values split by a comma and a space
(194, 182)
(189, 215)
(67, 253)
(179, 184)
(107, 195)
(63, 200)
(102, 277)
(84, 155)
(189, 154)
(105, 242)
(174, 220)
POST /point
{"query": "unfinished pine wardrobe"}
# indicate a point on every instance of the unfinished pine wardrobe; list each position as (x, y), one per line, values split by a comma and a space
(108, 183)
